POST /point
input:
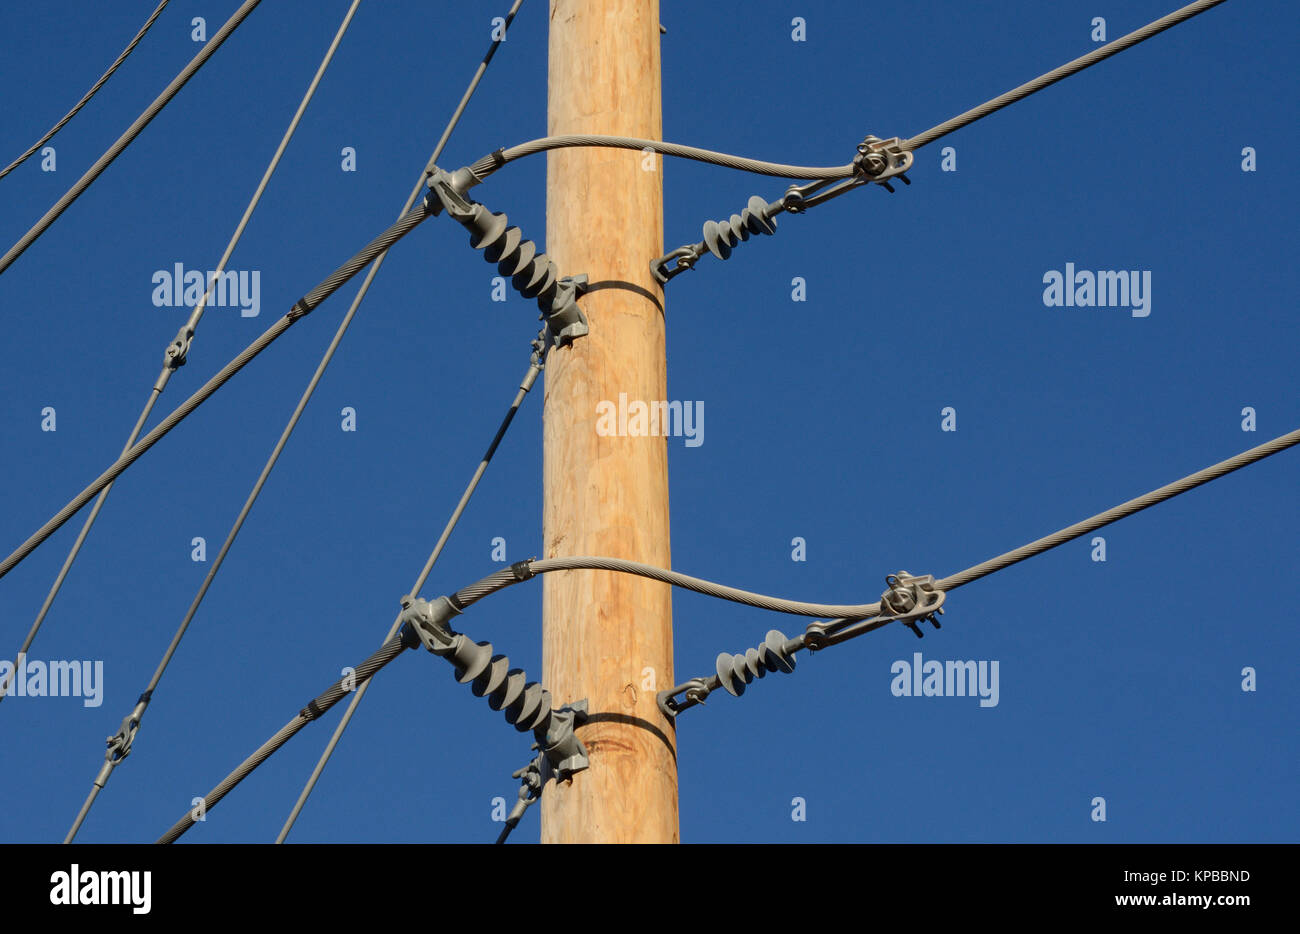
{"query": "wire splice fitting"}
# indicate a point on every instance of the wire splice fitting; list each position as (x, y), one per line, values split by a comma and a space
(525, 704)
(530, 271)
(174, 357)
(120, 743)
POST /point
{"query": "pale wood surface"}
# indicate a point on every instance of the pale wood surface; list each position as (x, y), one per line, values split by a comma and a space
(608, 495)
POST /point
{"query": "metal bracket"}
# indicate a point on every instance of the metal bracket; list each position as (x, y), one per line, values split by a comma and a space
(564, 751)
(566, 320)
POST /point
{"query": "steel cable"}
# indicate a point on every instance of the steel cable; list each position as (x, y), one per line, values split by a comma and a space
(188, 330)
(526, 570)
(301, 308)
(129, 136)
(1056, 74)
(85, 99)
(313, 711)
(525, 385)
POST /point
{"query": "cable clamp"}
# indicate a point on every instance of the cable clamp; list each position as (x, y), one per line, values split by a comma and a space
(447, 192)
(429, 621)
(911, 600)
(879, 160)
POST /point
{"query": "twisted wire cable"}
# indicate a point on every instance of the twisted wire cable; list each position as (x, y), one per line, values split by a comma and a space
(313, 711)
(301, 308)
(129, 136)
(177, 352)
(526, 384)
(1057, 74)
(493, 161)
(738, 666)
(85, 99)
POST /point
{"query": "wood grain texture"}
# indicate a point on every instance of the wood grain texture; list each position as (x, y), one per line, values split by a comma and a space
(605, 633)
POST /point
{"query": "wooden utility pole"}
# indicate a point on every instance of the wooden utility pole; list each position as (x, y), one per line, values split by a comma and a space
(608, 637)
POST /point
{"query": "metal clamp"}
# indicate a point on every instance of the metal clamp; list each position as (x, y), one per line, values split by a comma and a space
(879, 160)
(910, 600)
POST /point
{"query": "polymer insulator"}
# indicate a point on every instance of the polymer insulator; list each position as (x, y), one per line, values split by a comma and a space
(757, 218)
(526, 705)
(736, 671)
(532, 273)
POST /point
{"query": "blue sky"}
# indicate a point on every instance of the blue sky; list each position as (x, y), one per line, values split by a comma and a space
(1120, 679)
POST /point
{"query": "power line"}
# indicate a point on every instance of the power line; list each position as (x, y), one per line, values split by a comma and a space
(132, 723)
(119, 746)
(127, 137)
(85, 99)
(315, 708)
(534, 369)
(1137, 504)
(526, 570)
(1056, 74)
(290, 729)
(300, 309)
(535, 366)
(178, 350)
(777, 652)
(495, 160)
